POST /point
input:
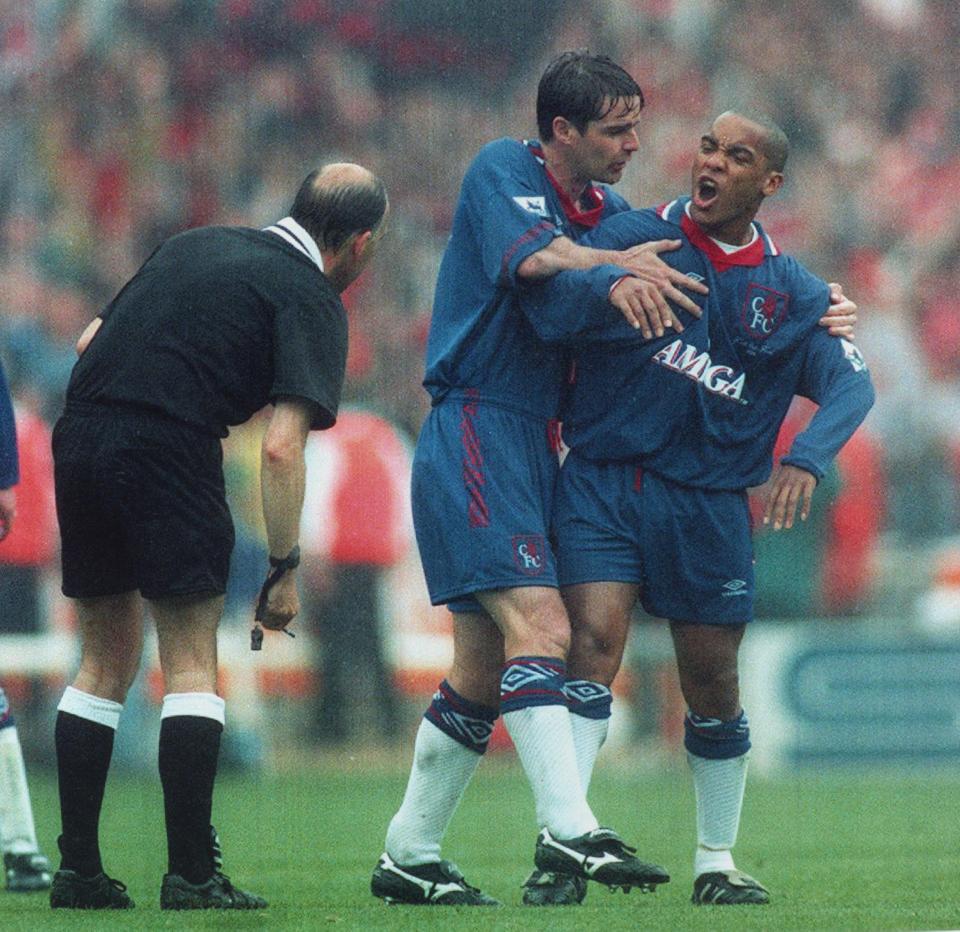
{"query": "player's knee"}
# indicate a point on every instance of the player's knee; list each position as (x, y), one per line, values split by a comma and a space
(714, 693)
(541, 630)
(553, 636)
(595, 654)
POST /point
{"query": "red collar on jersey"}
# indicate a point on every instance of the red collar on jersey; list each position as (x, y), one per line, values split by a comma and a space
(593, 195)
(751, 255)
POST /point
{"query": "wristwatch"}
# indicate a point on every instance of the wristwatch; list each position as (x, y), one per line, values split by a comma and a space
(290, 562)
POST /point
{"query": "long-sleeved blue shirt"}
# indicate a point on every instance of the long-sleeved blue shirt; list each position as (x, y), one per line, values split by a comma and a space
(703, 407)
(480, 339)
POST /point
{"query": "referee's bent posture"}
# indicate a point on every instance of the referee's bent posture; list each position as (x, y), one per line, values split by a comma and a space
(217, 323)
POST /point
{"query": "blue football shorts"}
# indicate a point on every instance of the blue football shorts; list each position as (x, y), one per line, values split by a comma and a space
(690, 550)
(482, 490)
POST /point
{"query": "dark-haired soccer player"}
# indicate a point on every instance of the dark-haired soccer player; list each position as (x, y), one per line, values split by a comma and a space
(483, 479)
(484, 471)
(666, 435)
(217, 323)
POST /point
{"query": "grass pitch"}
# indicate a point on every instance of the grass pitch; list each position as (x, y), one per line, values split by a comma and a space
(837, 851)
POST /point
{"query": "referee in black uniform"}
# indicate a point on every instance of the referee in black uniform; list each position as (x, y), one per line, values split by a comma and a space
(217, 323)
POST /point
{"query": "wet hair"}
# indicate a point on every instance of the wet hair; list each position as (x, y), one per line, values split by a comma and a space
(332, 211)
(773, 144)
(581, 87)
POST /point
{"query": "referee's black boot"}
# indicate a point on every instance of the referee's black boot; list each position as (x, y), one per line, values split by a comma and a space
(176, 892)
(215, 893)
(71, 891)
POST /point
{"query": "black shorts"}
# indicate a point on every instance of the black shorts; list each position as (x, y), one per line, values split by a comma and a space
(141, 505)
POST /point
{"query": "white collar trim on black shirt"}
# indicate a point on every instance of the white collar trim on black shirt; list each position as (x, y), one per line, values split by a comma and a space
(298, 237)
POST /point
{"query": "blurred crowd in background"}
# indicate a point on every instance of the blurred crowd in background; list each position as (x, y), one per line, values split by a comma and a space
(124, 121)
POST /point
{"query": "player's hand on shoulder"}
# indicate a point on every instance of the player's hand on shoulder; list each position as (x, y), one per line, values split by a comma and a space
(789, 487)
(283, 602)
(841, 316)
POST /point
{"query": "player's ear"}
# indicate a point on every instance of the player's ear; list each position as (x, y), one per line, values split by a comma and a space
(772, 183)
(562, 129)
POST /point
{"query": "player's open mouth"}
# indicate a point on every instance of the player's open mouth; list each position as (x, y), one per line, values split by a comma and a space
(704, 192)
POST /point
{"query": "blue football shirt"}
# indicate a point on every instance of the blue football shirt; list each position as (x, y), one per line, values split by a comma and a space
(481, 340)
(703, 407)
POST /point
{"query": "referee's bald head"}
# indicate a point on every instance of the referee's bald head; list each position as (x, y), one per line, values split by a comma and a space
(337, 201)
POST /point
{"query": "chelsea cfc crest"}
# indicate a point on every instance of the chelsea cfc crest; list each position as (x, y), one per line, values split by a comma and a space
(764, 311)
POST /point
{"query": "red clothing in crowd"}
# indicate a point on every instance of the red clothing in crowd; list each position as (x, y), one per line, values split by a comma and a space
(356, 508)
(33, 539)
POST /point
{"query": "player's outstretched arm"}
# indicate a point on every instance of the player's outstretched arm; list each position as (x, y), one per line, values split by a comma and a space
(841, 316)
(282, 483)
(643, 295)
(642, 260)
(790, 487)
(836, 377)
(559, 255)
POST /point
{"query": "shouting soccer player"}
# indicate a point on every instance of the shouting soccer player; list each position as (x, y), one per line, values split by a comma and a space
(483, 480)
(666, 435)
(484, 473)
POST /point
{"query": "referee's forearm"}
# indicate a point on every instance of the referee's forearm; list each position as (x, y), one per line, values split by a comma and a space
(282, 487)
(283, 475)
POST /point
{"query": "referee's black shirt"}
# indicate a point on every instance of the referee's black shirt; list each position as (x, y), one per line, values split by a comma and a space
(218, 322)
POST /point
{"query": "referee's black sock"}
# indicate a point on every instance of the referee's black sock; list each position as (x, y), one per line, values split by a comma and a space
(83, 736)
(189, 747)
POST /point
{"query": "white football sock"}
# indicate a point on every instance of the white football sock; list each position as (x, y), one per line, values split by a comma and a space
(588, 737)
(544, 741)
(93, 708)
(719, 786)
(17, 832)
(196, 705)
(442, 768)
